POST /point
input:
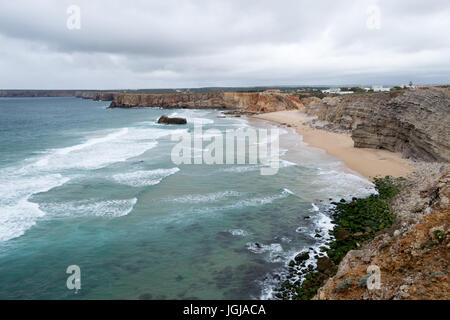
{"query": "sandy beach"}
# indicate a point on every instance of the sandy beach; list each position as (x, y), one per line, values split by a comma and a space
(367, 162)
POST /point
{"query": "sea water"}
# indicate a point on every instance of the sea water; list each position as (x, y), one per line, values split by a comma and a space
(84, 185)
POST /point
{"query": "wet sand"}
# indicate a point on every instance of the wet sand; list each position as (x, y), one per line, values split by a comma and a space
(367, 162)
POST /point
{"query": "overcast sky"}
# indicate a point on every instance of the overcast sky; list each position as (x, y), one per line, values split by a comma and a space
(167, 44)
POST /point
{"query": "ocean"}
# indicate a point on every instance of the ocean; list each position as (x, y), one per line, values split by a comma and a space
(84, 185)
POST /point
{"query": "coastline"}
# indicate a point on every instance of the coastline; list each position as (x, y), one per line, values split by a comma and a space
(369, 230)
(369, 163)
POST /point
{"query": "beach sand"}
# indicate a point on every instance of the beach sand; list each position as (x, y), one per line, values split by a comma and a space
(367, 162)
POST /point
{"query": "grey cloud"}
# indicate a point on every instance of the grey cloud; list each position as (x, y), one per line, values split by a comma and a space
(196, 43)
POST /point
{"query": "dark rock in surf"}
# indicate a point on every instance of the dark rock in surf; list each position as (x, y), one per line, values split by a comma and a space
(166, 120)
(302, 257)
(326, 265)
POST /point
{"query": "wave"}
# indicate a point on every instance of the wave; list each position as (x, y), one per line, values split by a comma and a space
(18, 214)
(144, 178)
(238, 232)
(273, 252)
(55, 167)
(99, 152)
(209, 197)
(259, 201)
(193, 116)
(106, 208)
(348, 184)
(255, 167)
(187, 215)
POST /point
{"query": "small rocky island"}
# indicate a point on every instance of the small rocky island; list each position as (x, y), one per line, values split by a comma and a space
(166, 120)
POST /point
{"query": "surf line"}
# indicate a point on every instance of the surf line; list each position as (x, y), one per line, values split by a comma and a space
(232, 146)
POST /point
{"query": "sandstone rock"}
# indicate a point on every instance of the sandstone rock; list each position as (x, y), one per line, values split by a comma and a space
(414, 122)
(249, 101)
(326, 265)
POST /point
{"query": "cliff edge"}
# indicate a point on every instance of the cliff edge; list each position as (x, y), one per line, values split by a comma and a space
(413, 122)
(413, 255)
(248, 101)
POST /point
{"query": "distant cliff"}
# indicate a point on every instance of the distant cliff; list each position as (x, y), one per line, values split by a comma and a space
(254, 101)
(37, 93)
(96, 95)
(85, 94)
(413, 122)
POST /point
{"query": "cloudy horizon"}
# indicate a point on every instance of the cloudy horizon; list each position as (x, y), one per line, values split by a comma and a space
(182, 44)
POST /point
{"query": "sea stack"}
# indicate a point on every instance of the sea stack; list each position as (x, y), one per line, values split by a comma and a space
(165, 119)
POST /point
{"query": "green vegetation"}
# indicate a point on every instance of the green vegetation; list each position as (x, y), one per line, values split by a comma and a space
(439, 234)
(355, 221)
(354, 89)
(359, 219)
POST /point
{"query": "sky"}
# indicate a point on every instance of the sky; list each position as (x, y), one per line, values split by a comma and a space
(204, 43)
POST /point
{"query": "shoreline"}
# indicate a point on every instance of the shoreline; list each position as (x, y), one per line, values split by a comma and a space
(369, 163)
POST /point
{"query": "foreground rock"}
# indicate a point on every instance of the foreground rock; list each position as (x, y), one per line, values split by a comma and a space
(413, 255)
(166, 120)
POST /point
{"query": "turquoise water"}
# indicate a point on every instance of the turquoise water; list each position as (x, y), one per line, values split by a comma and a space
(94, 187)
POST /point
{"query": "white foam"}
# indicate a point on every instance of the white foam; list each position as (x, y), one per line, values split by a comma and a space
(274, 251)
(43, 172)
(107, 208)
(209, 197)
(193, 116)
(17, 214)
(144, 178)
(96, 153)
(288, 191)
(260, 201)
(94, 141)
(238, 232)
(256, 167)
(261, 248)
(202, 121)
(340, 184)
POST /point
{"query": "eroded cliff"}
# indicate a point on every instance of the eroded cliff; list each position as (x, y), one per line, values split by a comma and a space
(257, 102)
(413, 255)
(413, 122)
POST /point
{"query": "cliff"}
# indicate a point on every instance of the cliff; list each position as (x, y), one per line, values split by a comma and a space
(37, 93)
(413, 122)
(96, 95)
(256, 102)
(413, 255)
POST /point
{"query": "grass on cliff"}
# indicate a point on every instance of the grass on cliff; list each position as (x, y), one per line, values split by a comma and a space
(358, 220)
(355, 222)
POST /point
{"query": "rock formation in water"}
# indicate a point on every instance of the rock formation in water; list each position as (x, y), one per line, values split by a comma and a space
(166, 120)
(413, 122)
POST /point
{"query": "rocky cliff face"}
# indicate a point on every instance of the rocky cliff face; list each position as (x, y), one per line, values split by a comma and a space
(257, 102)
(37, 93)
(413, 122)
(413, 255)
